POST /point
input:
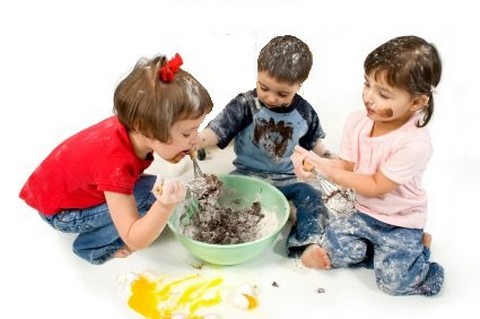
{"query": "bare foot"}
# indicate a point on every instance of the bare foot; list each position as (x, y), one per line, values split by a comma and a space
(122, 252)
(427, 240)
(315, 257)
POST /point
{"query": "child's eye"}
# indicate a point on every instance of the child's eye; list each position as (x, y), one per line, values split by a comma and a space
(383, 95)
(186, 134)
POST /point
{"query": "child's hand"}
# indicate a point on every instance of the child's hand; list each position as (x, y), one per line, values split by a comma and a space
(169, 192)
(308, 164)
(303, 168)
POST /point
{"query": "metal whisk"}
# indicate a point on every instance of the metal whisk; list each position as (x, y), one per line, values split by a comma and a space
(197, 171)
(191, 205)
(338, 200)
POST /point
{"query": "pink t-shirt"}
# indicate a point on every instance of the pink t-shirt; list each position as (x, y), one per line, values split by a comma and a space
(79, 170)
(402, 156)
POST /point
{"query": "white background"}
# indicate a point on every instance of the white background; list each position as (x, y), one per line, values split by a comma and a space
(60, 62)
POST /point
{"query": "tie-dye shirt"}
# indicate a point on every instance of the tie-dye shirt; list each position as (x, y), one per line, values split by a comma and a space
(264, 139)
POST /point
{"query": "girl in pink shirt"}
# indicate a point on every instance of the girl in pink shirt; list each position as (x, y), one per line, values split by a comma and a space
(92, 184)
(383, 155)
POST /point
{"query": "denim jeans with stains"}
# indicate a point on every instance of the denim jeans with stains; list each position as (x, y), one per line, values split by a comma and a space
(397, 254)
(98, 239)
(311, 217)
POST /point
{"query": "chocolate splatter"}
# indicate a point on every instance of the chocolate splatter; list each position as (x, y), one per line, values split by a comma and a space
(273, 137)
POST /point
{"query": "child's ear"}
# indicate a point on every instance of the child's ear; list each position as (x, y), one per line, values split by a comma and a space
(419, 102)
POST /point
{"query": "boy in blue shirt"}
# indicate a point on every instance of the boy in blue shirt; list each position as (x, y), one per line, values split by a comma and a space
(267, 123)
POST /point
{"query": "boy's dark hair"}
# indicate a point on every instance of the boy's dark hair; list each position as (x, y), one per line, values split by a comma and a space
(145, 104)
(286, 58)
(409, 63)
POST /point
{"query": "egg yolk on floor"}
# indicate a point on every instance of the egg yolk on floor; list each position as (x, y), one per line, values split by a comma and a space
(160, 299)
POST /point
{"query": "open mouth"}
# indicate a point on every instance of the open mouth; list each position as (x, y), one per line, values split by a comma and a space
(177, 158)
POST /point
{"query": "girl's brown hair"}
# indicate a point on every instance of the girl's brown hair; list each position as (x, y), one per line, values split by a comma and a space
(146, 104)
(409, 63)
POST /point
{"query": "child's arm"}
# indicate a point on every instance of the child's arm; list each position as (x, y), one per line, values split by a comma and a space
(341, 173)
(207, 138)
(306, 170)
(139, 232)
(367, 185)
(321, 150)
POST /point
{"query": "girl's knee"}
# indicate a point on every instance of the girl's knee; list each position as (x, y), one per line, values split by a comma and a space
(344, 254)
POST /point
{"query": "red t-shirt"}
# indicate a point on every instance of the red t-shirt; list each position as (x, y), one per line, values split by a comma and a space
(79, 170)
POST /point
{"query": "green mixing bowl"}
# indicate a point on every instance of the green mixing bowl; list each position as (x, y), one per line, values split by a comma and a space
(246, 190)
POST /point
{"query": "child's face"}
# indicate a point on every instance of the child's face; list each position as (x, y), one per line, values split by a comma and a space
(274, 94)
(385, 103)
(183, 135)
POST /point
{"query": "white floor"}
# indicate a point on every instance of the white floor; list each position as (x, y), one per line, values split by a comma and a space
(60, 63)
(43, 277)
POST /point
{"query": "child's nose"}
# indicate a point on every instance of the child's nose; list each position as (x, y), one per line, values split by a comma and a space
(367, 98)
(271, 100)
(369, 103)
(195, 140)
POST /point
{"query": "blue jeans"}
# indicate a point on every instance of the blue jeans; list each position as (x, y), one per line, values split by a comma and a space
(311, 218)
(98, 239)
(397, 254)
(312, 215)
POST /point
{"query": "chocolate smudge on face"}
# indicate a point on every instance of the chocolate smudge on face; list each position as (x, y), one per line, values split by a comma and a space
(385, 113)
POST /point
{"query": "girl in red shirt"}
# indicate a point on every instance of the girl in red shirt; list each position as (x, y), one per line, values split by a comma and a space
(93, 182)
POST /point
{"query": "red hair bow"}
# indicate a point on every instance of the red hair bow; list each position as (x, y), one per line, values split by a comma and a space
(167, 71)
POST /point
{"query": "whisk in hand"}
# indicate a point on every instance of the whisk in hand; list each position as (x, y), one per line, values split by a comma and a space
(338, 200)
